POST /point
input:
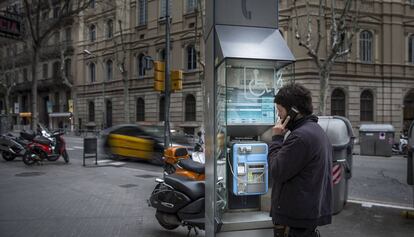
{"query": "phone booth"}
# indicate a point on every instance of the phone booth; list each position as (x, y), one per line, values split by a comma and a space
(247, 61)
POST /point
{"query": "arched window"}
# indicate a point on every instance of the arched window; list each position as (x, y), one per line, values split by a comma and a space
(109, 70)
(365, 46)
(56, 69)
(161, 55)
(190, 108)
(92, 72)
(162, 109)
(191, 5)
(91, 109)
(338, 102)
(367, 106)
(191, 57)
(109, 29)
(67, 68)
(141, 65)
(140, 109)
(142, 12)
(92, 33)
(411, 49)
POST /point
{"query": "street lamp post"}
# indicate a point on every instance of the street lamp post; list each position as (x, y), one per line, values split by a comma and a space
(103, 85)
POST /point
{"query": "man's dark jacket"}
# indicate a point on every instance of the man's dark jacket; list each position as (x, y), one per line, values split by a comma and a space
(301, 169)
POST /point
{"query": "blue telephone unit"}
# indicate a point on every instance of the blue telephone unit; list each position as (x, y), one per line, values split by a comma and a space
(249, 169)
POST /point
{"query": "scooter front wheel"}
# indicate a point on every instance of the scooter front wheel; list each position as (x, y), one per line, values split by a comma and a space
(29, 158)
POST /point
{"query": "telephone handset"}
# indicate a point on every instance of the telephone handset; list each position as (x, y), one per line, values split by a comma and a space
(292, 113)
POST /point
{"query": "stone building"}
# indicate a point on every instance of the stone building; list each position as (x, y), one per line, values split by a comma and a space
(136, 30)
(375, 82)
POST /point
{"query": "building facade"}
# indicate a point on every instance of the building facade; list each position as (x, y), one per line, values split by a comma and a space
(135, 30)
(375, 82)
(111, 40)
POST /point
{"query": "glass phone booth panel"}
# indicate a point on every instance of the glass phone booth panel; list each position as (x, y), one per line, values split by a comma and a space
(245, 113)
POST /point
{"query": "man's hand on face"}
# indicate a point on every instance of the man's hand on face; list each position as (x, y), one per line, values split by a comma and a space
(279, 128)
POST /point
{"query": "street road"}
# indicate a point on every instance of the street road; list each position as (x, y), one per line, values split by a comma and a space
(56, 199)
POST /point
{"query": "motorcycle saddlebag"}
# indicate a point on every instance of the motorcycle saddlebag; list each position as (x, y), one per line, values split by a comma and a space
(168, 200)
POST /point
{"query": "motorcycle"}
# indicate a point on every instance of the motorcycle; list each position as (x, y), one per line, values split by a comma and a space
(12, 146)
(180, 201)
(48, 146)
(177, 161)
(401, 148)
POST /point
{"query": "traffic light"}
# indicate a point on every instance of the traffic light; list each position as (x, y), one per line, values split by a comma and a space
(177, 80)
(159, 75)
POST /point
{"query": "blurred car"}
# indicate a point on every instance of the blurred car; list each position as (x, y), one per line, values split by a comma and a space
(141, 142)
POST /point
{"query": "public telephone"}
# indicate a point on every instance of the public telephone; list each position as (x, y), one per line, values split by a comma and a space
(249, 168)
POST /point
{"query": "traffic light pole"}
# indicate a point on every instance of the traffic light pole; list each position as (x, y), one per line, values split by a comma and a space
(167, 89)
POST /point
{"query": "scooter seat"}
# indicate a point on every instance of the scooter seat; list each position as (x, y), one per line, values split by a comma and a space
(42, 140)
(191, 165)
(193, 189)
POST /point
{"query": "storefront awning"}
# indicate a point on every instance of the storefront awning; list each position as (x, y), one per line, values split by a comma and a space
(240, 42)
(25, 114)
(60, 115)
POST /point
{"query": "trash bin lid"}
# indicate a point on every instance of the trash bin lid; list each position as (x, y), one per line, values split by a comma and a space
(338, 129)
(376, 128)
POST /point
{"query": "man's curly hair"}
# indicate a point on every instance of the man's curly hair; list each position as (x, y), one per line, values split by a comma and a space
(295, 95)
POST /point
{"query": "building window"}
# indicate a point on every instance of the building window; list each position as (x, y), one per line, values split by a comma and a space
(45, 70)
(161, 55)
(92, 33)
(56, 11)
(91, 108)
(140, 109)
(191, 57)
(56, 69)
(163, 8)
(92, 3)
(57, 101)
(190, 108)
(92, 72)
(109, 70)
(411, 48)
(68, 34)
(68, 65)
(365, 46)
(338, 102)
(109, 29)
(141, 65)
(191, 5)
(367, 106)
(56, 37)
(25, 74)
(162, 109)
(142, 12)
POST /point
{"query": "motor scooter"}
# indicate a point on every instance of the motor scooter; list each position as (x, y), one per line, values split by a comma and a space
(401, 147)
(177, 161)
(12, 146)
(48, 146)
(180, 201)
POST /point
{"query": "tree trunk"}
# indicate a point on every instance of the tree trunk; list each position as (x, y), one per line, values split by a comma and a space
(323, 93)
(126, 96)
(35, 59)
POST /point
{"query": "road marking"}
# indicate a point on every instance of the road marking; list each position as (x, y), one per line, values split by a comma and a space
(371, 203)
(70, 149)
(78, 147)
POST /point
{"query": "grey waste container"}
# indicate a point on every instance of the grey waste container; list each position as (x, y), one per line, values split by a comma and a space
(376, 139)
(410, 157)
(340, 134)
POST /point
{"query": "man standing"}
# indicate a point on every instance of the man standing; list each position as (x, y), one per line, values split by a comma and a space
(300, 166)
